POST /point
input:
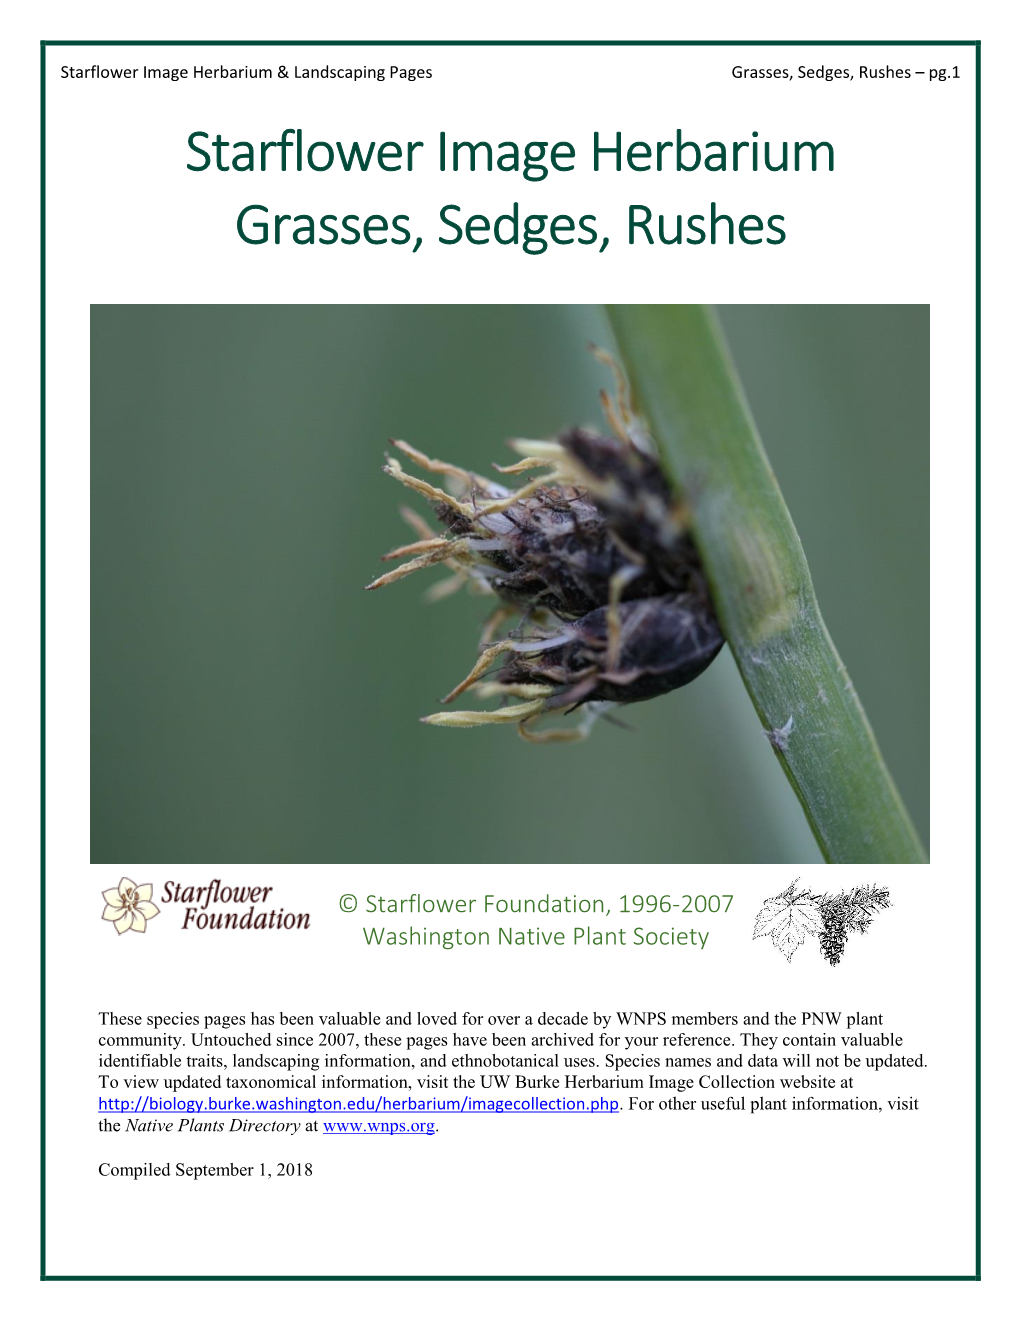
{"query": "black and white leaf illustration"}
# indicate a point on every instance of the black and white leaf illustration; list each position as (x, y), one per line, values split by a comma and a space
(790, 917)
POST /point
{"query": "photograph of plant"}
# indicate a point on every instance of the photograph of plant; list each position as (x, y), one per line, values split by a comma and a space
(592, 556)
(654, 558)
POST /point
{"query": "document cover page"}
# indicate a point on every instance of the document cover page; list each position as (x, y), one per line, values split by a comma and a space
(511, 666)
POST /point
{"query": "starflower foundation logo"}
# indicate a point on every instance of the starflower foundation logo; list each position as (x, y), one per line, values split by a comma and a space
(129, 906)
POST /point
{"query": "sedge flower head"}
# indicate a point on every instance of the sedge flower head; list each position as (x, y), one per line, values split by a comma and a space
(592, 558)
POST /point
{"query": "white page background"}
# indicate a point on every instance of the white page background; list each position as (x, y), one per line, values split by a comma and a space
(830, 255)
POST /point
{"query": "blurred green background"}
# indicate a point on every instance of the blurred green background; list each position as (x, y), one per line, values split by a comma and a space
(250, 703)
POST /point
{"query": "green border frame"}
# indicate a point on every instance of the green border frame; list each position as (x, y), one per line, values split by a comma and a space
(508, 1278)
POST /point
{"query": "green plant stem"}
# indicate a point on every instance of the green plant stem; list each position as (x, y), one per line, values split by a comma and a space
(687, 389)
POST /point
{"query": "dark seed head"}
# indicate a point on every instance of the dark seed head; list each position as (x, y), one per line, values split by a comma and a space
(595, 558)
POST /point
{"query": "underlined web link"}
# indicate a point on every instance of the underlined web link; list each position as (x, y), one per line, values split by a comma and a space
(147, 1103)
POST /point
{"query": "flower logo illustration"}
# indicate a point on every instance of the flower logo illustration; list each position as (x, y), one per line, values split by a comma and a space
(129, 906)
